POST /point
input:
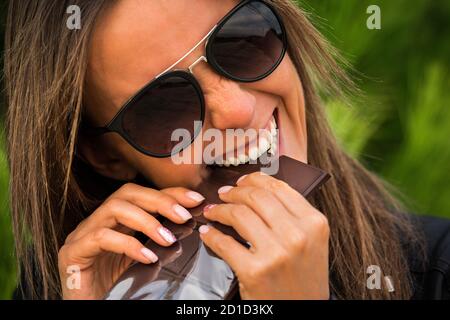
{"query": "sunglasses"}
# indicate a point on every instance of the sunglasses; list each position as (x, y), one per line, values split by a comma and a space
(247, 45)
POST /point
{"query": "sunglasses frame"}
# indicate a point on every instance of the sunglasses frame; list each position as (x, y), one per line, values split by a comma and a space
(210, 57)
(115, 125)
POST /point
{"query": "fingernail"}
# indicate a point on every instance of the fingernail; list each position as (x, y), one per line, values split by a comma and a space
(148, 254)
(209, 207)
(203, 229)
(224, 189)
(241, 178)
(182, 212)
(166, 234)
(195, 196)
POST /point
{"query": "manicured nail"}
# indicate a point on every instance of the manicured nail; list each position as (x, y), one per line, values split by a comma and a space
(182, 212)
(166, 234)
(209, 207)
(203, 229)
(148, 254)
(224, 189)
(241, 178)
(195, 196)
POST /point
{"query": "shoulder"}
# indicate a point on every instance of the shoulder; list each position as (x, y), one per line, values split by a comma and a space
(431, 274)
(435, 229)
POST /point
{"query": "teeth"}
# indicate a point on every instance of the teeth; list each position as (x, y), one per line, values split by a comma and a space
(273, 124)
(274, 144)
(273, 132)
(243, 158)
(271, 138)
(264, 145)
(233, 161)
(267, 142)
(273, 149)
(253, 153)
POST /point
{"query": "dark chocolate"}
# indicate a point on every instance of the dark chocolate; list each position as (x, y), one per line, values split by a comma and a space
(300, 176)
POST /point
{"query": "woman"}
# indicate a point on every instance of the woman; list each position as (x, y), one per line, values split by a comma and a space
(75, 199)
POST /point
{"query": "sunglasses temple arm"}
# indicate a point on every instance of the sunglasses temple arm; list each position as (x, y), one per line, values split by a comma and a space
(188, 53)
(95, 131)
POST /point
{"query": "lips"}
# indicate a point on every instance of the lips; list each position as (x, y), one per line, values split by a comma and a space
(267, 141)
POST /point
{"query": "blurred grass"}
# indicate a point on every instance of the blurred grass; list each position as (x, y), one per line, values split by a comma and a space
(421, 165)
(400, 129)
(7, 261)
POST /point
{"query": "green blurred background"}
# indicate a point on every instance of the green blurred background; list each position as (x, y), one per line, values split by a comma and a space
(399, 129)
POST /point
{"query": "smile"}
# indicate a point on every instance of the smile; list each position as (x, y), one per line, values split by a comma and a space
(266, 141)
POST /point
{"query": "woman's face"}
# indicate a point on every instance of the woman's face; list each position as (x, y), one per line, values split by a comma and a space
(136, 40)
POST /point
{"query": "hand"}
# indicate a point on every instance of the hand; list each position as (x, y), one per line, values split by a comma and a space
(102, 246)
(288, 256)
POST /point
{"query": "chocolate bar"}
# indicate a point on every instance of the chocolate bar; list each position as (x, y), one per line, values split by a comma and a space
(301, 177)
(190, 270)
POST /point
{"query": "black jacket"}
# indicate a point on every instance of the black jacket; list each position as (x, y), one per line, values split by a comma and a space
(431, 278)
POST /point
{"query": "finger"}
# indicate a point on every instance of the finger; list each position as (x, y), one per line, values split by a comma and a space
(261, 201)
(106, 240)
(187, 198)
(153, 201)
(246, 223)
(292, 200)
(120, 212)
(234, 253)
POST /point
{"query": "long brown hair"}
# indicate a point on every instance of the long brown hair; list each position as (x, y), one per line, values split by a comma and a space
(45, 67)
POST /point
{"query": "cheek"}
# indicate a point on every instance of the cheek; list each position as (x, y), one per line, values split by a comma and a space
(283, 82)
(288, 85)
(168, 172)
(287, 77)
(163, 173)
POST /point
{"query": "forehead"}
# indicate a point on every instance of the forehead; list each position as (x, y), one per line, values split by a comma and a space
(135, 40)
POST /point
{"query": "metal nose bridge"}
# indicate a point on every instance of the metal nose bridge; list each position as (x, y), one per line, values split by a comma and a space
(200, 59)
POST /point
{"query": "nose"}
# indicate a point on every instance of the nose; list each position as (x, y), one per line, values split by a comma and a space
(228, 104)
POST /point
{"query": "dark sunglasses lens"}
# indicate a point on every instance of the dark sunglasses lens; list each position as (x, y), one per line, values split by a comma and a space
(250, 43)
(173, 103)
